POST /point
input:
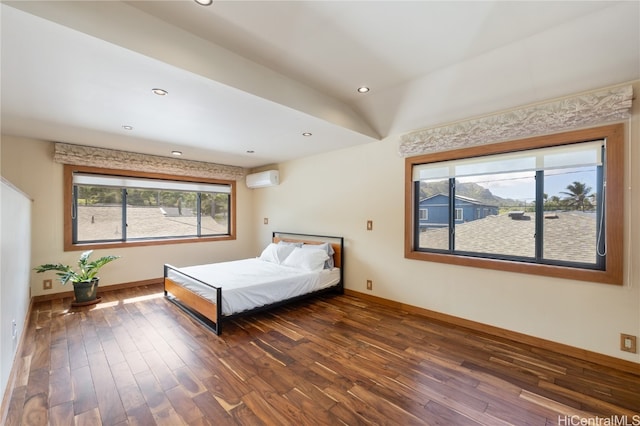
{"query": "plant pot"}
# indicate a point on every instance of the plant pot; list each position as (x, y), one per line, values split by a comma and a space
(86, 291)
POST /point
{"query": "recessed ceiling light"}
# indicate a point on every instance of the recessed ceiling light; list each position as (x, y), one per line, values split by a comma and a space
(363, 89)
(306, 134)
(159, 92)
(127, 127)
(176, 153)
(204, 2)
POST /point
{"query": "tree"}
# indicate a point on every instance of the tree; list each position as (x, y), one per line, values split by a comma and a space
(578, 196)
(553, 203)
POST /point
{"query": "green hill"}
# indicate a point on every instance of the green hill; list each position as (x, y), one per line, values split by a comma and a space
(469, 189)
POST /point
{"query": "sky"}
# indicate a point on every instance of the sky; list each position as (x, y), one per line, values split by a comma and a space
(521, 185)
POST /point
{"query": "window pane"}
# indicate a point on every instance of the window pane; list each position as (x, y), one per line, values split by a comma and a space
(214, 208)
(157, 213)
(495, 214)
(434, 223)
(99, 213)
(570, 220)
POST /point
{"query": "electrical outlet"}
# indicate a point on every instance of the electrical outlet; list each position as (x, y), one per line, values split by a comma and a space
(369, 285)
(266, 220)
(47, 285)
(628, 343)
(369, 225)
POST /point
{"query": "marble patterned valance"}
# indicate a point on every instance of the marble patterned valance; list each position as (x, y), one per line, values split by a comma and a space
(585, 110)
(81, 155)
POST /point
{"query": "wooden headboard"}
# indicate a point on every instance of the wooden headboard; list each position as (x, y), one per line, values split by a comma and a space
(336, 242)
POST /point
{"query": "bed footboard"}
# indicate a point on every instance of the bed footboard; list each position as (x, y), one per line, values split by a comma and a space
(192, 303)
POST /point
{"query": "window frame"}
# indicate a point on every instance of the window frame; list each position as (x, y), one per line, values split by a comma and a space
(69, 245)
(614, 198)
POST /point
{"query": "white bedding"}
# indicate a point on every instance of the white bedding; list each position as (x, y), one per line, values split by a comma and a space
(250, 283)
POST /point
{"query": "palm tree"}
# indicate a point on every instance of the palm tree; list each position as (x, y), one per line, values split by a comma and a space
(578, 194)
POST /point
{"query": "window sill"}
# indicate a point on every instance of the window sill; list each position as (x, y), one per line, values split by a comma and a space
(604, 277)
(144, 243)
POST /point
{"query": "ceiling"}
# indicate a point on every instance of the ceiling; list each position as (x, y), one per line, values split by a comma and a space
(246, 79)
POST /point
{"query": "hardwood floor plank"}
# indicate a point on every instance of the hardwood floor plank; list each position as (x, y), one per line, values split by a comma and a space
(163, 373)
(36, 410)
(136, 359)
(38, 382)
(151, 390)
(124, 340)
(59, 355)
(130, 394)
(404, 411)
(62, 414)
(446, 416)
(306, 404)
(590, 403)
(264, 410)
(109, 403)
(16, 406)
(60, 386)
(211, 408)
(514, 414)
(41, 356)
(111, 350)
(88, 418)
(57, 328)
(84, 395)
(182, 402)
(24, 367)
(359, 411)
(75, 347)
(189, 381)
(555, 408)
(140, 416)
(226, 386)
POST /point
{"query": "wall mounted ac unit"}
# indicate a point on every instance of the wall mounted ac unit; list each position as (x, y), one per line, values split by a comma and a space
(263, 179)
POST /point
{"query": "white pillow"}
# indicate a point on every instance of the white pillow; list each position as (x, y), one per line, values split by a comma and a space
(326, 247)
(276, 253)
(307, 259)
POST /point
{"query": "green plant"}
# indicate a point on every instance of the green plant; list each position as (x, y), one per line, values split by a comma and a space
(87, 271)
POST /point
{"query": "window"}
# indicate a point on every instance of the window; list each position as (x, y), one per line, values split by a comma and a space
(424, 214)
(129, 208)
(546, 205)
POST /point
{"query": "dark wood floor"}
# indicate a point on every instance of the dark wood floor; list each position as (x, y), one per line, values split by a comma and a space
(137, 359)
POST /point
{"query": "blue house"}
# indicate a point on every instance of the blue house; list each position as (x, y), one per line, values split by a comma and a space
(434, 210)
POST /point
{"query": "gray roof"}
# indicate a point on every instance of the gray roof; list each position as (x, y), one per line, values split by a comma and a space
(569, 237)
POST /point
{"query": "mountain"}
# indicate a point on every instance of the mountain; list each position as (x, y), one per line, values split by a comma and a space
(469, 189)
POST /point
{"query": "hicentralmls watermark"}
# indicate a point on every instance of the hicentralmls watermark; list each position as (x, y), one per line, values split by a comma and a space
(599, 421)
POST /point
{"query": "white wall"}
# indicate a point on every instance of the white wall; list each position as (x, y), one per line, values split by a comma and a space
(15, 235)
(29, 165)
(336, 193)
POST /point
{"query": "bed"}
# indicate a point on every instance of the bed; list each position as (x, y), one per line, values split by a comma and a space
(292, 267)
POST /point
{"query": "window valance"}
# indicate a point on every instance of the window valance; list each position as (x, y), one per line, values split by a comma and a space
(143, 183)
(114, 159)
(595, 108)
(549, 158)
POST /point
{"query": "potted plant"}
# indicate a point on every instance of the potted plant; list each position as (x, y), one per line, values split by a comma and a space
(85, 282)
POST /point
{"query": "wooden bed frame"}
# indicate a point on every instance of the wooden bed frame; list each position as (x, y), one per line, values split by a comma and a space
(209, 312)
